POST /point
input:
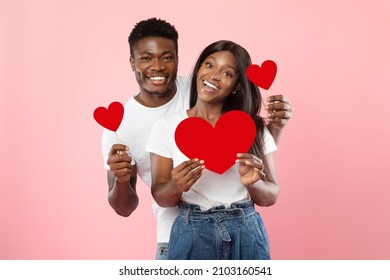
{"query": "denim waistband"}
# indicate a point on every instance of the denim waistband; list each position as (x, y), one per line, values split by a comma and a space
(237, 210)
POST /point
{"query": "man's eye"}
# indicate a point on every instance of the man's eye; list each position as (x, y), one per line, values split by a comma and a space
(146, 58)
(168, 58)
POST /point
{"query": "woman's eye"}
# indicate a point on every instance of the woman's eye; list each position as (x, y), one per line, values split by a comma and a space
(228, 74)
(208, 65)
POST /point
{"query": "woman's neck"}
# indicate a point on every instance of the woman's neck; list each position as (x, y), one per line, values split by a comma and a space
(210, 113)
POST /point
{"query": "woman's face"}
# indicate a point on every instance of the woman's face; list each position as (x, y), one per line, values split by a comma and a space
(217, 77)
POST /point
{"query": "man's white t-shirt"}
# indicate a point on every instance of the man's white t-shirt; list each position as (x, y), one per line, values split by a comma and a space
(211, 189)
(134, 132)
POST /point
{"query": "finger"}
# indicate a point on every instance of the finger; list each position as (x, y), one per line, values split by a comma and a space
(279, 122)
(185, 164)
(194, 172)
(280, 106)
(193, 179)
(277, 98)
(120, 166)
(257, 159)
(116, 158)
(118, 147)
(279, 115)
(253, 164)
(191, 167)
(122, 172)
(245, 156)
(261, 173)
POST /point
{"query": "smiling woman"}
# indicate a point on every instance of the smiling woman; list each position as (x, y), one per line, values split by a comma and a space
(208, 200)
(217, 79)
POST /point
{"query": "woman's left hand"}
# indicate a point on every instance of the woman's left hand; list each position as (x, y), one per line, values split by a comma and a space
(251, 169)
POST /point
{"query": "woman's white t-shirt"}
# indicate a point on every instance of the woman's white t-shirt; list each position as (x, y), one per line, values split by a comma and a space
(211, 189)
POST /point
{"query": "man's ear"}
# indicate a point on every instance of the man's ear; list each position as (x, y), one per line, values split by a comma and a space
(132, 63)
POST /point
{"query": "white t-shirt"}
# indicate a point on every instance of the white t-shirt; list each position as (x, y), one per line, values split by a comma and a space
(211, 189)
(134, 133)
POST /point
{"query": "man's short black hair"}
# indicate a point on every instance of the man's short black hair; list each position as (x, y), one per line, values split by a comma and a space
(152, 27)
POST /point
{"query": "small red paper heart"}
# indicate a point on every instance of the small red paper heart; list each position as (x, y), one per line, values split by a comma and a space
(218, 146)
(262, 76)
(110, 118)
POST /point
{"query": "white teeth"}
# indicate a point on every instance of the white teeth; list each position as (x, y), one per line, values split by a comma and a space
(211, 85)
(157, 78)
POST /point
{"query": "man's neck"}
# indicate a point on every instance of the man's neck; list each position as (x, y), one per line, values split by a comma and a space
(153, 100)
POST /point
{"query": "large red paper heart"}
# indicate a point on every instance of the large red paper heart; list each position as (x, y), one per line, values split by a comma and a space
(262, 76)
(110, 118)
(218, 146)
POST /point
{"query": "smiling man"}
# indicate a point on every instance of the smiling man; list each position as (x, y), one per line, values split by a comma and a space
(154, 59)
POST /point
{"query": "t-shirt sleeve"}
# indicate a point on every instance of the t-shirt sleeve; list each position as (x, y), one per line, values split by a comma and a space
(159, 141)
(269, 142)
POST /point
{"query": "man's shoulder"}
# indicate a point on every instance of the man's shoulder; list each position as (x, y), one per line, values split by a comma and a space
(183, 83)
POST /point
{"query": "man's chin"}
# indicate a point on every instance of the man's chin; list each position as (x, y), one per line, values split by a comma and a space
(158, 92)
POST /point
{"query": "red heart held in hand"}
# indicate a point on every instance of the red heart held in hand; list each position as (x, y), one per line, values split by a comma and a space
(110, 118)
(262, 76)
(218, 146)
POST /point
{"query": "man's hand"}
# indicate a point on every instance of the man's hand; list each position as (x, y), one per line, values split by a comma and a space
(279, 111)
(120, 162)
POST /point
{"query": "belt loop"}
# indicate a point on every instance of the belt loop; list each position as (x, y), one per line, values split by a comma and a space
(243, 215)
(187, 215)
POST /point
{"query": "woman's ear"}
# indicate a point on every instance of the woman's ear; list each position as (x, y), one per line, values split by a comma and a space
(236, 88)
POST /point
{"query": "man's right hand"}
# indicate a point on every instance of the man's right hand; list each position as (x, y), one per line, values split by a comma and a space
(120, 162)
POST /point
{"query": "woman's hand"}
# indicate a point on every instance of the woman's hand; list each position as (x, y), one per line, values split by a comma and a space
(186, 174)
(251, 169)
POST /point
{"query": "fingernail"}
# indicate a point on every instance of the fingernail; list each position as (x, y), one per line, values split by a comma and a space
(196, 159)
(201, 162)
(238, 155)
(237, 160)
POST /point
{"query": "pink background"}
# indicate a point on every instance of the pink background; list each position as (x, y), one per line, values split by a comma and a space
(62, 59)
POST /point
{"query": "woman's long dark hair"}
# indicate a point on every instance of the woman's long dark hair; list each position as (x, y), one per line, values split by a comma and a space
(248, 97)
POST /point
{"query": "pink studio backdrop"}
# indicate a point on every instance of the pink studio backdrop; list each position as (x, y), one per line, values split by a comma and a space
(62, 59)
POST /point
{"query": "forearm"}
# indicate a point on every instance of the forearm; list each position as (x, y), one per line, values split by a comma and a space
(264, 193)
(166, 195)
(122, 196)
(275, 132)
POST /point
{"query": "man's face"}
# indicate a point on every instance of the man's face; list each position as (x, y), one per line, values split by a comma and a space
(155, 64)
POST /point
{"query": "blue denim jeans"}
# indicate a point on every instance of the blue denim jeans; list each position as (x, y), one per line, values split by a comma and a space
(162, 251)
(235, 233)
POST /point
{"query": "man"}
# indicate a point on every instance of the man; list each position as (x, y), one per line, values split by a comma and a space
(154, 59)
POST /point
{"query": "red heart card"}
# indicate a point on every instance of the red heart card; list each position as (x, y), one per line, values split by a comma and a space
(218, 146)
(262, 76)
(110, 118)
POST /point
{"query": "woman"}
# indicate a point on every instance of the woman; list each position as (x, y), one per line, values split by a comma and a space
(217, 218)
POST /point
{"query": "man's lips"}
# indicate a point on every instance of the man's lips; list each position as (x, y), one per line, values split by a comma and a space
(157, 78)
